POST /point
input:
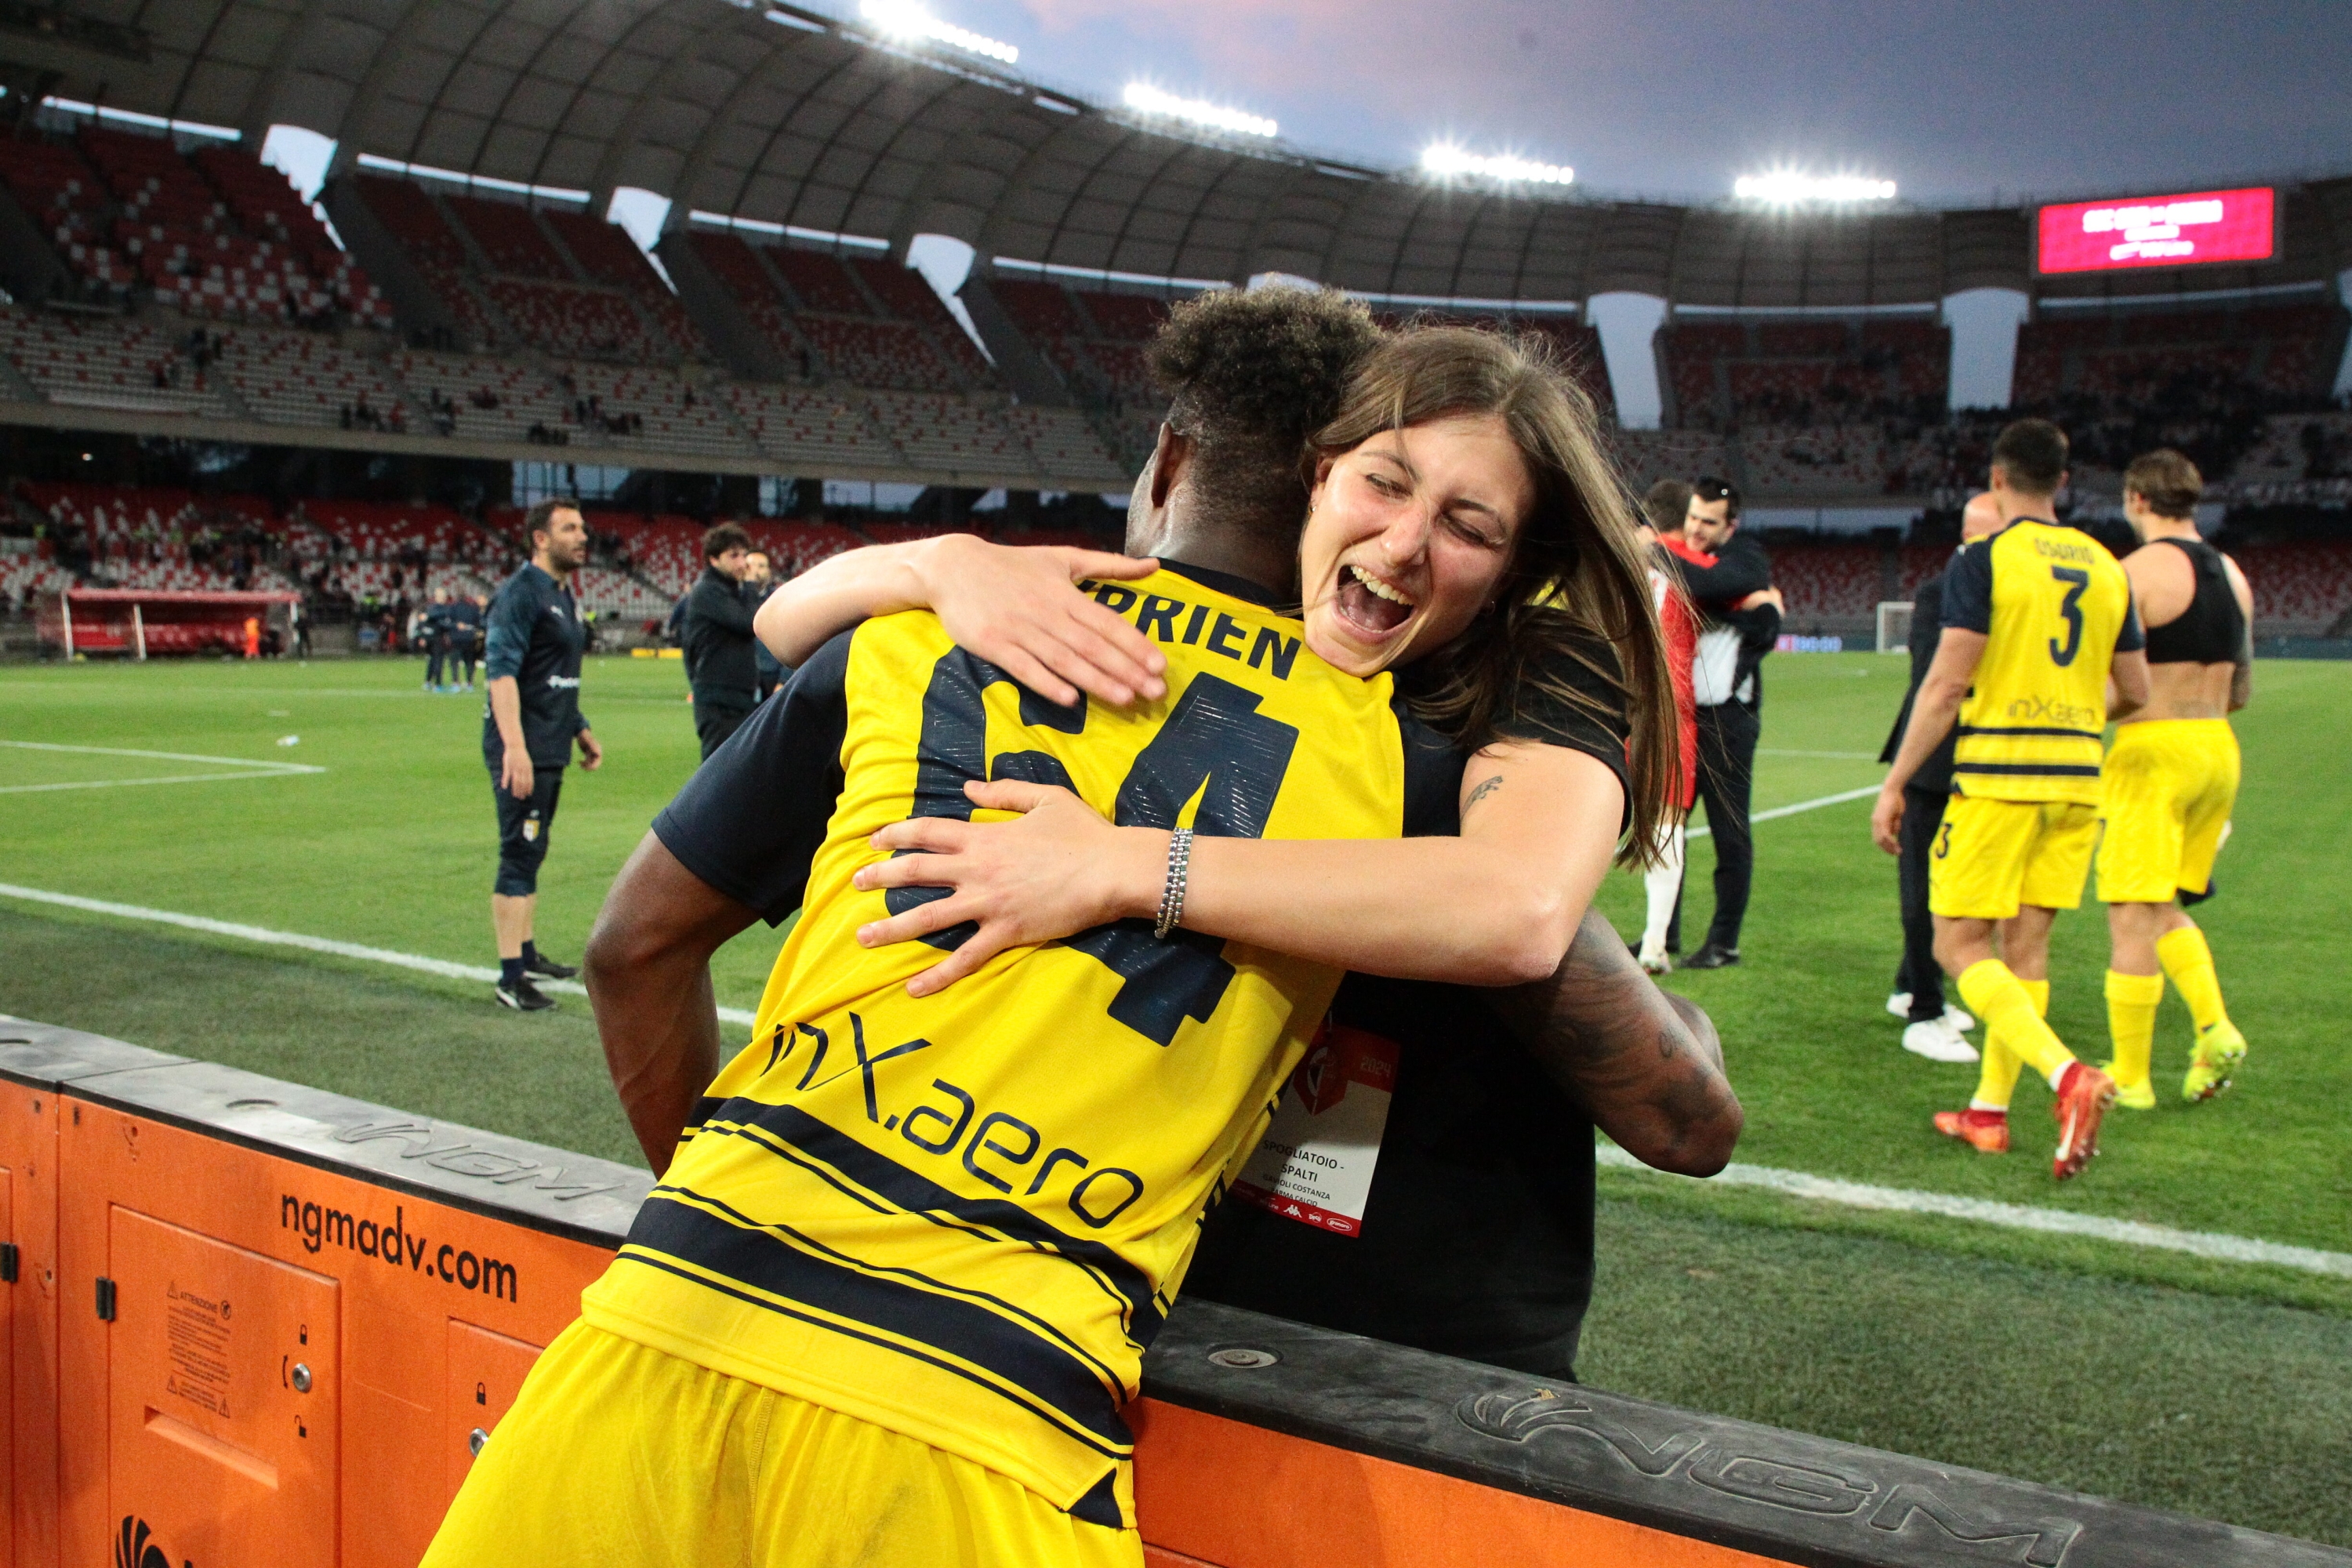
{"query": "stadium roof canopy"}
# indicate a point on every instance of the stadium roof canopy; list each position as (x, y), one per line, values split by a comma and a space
(783, 115)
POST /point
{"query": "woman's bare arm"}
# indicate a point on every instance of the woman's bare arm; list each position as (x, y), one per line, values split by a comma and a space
(1496, 906)
(1016, 607)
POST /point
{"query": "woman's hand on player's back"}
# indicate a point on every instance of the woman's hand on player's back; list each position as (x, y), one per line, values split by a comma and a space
(1016, 606)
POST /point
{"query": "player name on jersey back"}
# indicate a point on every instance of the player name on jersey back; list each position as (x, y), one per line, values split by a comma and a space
(960, 1216)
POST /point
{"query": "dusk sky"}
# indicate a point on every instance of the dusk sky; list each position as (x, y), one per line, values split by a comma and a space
(1675, 97)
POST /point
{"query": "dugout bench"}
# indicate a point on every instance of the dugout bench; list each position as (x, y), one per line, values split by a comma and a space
(249, 1322)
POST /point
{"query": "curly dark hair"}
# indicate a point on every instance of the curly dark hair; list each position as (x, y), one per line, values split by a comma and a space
(1250, 374)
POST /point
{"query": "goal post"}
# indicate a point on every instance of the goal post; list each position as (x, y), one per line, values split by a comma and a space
(1893, 626)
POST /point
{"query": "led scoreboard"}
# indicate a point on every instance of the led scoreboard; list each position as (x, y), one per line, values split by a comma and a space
(2159, 231)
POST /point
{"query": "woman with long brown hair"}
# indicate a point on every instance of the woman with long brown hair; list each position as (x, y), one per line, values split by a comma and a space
(1464, 527)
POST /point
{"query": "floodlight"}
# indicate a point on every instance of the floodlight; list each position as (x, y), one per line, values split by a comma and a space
(906, 19)
(1784, 187)
(1447, 161)
(1145, 98)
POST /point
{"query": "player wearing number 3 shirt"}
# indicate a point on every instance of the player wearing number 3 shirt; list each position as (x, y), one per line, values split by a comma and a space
(2036, 618)
(946, 1229)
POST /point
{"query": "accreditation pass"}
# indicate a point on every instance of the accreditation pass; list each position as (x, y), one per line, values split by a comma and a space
(1315, 1163)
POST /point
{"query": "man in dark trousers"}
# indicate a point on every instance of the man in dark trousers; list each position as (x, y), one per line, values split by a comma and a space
(438, 645)
(1931, 1028)
(1741, 622)
(720, 668)
(466, 614)
(529, 728)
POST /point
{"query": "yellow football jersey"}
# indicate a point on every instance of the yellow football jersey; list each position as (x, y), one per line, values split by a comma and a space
(963, 1217)
(2055, 608)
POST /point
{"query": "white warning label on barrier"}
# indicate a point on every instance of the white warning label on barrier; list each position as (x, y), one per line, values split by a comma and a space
(1315, 1164)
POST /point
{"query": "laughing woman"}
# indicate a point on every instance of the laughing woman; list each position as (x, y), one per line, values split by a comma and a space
(1462, 529)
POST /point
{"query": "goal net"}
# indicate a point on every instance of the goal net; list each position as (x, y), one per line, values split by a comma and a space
(1894, 625)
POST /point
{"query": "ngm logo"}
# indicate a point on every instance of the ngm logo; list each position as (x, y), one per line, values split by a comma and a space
(135, 1548)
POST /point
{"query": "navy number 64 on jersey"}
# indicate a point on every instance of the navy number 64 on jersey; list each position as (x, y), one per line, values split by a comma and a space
(1214, 743)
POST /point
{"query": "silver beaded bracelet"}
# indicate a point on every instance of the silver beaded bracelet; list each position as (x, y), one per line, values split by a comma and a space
(1171, 900)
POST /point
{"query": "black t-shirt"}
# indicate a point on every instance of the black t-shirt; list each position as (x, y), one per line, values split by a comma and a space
(1477, 1240)
(536, 638)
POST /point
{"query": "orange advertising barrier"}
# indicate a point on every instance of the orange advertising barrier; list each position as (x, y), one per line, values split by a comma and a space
(253, 1324)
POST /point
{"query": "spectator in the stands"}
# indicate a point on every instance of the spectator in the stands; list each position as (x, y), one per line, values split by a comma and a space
(719, 669)
(1729, 578)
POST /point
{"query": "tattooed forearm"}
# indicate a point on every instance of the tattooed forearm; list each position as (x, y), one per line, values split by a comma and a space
(1483, 791)
(1646, 1065)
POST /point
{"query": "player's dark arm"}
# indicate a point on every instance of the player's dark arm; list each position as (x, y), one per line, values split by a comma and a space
(1645, 1065)
(648, 974)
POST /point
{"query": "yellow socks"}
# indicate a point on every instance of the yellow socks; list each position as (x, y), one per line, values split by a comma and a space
(2013, 1030)
(2131, 1018)
(2190, 963)
(1997, 1079)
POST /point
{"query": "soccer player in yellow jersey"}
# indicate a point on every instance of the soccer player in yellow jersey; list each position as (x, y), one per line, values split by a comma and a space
(2170, 779)
(897, 1280)
(2037, 620)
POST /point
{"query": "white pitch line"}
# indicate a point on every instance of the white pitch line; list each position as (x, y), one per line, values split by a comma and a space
(440, 966)
(1833, 756)
(1801, 805)
(253, 768)
(267, 764)
(1794, 1183)
(2013, 1216)
(130, 784)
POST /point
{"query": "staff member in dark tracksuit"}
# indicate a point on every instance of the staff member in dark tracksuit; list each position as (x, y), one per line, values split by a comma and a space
(529, 728)
(1931, 1028)
(719, 669)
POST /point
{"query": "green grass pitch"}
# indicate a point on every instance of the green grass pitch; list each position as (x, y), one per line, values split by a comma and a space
(2215, 1388)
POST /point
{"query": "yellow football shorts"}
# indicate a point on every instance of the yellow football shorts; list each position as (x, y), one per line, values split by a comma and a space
(1991, 856)
(617, 1455)
(2168, 787)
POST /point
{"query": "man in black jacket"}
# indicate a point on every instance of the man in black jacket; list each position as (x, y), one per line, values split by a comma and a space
(1932, 1028)
(720, 666)
(1740, 624)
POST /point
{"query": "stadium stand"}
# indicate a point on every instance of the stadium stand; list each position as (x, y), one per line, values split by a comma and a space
(659, 409)
(605, 254)
(945, 432)
(1829, 583)
(492, 398)
(1093, 341)
(308, 378)
(870, 322)
(2205, 380)
(799, 544)
(164, 539)
(798, 427)
(2300, 590)
(213, 232)
(1065, 445)
(96, 363)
